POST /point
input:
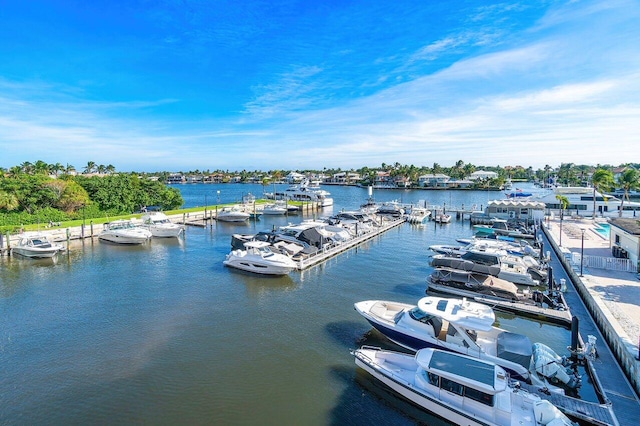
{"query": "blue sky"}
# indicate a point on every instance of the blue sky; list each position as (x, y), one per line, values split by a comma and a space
(185, 85)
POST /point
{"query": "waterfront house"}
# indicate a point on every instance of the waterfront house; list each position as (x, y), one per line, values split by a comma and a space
(482, 175)
(433, 180)
(345, 178)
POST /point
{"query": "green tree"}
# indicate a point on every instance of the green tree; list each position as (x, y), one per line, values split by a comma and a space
(90, 167)
(601, 180)
(8, 201)
(72, 198)
(627, 181)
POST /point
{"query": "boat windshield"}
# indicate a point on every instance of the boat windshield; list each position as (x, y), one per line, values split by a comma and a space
(420, 315)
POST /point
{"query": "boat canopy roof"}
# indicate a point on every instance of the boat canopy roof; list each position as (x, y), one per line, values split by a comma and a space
(473, 372)
(525, 204)
(462, 312)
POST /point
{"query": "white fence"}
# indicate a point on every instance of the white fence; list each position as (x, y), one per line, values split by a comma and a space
(601, 262)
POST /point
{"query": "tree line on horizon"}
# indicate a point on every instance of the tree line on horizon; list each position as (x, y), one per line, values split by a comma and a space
(40, 193)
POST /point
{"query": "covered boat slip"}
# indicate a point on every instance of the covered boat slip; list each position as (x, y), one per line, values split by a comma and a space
(325, 254)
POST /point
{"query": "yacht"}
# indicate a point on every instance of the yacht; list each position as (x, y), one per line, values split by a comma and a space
(466, 327)
(257, 257)
(303, 192)
(461, 389)
(124, 232)
(581, 202)
(36, 246)
(160, 225)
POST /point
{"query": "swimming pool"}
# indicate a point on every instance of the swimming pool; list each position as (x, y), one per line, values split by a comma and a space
(602, 229)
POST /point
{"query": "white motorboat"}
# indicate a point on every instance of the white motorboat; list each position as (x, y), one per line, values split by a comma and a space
(442, 217)
(274, 209)
(36, 246)
(232, 214)
(418, 215)
(257, 257)
(581, 202)
(124, 232)
(461, 389)
(466, 327)
(160, 225)
(519, 248)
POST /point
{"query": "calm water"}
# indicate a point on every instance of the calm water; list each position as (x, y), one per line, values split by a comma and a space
(164, 334)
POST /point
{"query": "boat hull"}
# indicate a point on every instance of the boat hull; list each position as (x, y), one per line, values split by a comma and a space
(124, 239)
(165, 231)
(258, 268)
(35, 254)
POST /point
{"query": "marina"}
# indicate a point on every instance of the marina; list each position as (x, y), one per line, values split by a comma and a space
(163, 331)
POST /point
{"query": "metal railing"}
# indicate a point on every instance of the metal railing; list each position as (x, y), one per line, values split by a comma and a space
(601, 262)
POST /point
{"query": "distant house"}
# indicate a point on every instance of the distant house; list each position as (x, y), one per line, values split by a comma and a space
(176, 178)
(383, 179)
(294, 177)
(345, 177)
(433, 180)
(482, 175)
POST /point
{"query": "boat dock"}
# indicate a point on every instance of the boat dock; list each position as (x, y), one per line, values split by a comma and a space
(590, 412)
(556, 316)
(333, 251)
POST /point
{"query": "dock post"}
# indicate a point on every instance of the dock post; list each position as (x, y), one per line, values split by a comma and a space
(550, 278)
(1, 242)
(8, 242)
(82, 231)
(68, 238)
(91, 228)
(574, 334)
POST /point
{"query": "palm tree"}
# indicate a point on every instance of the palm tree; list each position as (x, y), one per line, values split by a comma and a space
(111, 169)
(628, 180)
(69, 168)
(89, 167)
(27, 167)
(8, 201)
(601, 179)
(564, 203)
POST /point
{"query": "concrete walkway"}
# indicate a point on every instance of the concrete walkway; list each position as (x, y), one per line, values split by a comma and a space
(618, 292)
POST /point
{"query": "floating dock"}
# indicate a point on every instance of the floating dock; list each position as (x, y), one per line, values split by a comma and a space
(590, 412)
